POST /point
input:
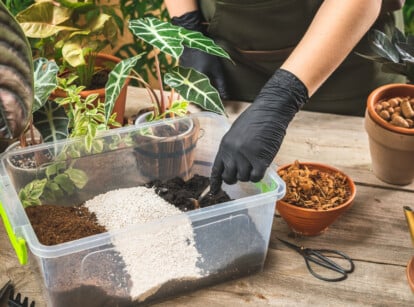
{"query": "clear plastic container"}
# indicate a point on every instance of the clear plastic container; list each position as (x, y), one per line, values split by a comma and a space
(231, 239)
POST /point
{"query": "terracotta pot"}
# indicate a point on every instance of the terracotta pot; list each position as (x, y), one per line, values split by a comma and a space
(166, 157)
(391, 147)
(119, 107)
(311, 222)
(410, 273)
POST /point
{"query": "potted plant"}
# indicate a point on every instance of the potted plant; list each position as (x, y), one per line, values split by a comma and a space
(389, 116)
(174, 147)
(74, 34)
(27, 103)
(24, 86)
(78, 117)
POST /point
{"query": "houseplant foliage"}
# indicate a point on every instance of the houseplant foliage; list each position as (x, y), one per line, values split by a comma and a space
(70, 32)
(15, 6)
(395, 51)
(77, 117)
(25, 91)
(192, 85)
(408, 12)
(133, 9)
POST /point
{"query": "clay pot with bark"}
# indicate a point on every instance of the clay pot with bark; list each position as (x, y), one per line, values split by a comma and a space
(389, 124)
(316, 196)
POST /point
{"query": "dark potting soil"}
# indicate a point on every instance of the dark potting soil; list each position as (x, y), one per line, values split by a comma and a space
(210, 242)
(31, 160)
(99, 80)
(179, 192)
(169, 131)
(59, 224)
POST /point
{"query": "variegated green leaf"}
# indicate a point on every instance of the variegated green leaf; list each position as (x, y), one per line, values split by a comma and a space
(195, 87)
(65, 183)
(52, 122)
(44, 19)
(171, 39)
(45, 76)
(160, 34)
(72, 52)
(197, 40)
(116, 81)
(105, 24)
(78, 177)
(16, 77)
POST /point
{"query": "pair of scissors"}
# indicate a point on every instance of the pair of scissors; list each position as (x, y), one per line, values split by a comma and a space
(322, 258)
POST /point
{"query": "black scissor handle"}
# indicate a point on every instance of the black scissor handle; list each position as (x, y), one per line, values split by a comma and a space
(319, 256)
(323, 255)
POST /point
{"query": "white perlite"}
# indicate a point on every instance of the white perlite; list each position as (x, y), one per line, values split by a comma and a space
(157, 255)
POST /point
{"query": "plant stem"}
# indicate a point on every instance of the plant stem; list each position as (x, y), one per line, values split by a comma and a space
(154, 97)
(161, 106)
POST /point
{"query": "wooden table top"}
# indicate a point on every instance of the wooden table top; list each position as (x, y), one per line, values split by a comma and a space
(373, 232)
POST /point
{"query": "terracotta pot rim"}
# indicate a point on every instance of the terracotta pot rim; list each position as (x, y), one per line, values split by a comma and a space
(330, 168)
(373, 98)
(99, 91)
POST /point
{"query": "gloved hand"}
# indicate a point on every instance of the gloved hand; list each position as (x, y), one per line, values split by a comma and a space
(203, 62)
(253, 140)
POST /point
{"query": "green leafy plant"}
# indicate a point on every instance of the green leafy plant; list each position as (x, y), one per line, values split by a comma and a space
(24, 88)
(59, 181)
(75, 116)
(15, 6)
(81, 117)
(71, 33)
(48, 118)
(395, 52)
(190, 84)
(145, 67)
(408, 13)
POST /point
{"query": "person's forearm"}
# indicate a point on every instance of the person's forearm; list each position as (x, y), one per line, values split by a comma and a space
(177, 8)
(336, 29)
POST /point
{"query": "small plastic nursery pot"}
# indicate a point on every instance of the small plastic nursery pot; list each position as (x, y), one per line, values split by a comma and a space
(166, 153)
(312, 222)
(391, 147)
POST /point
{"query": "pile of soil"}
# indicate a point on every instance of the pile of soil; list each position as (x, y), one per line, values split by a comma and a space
(179, 192)
(59, 224)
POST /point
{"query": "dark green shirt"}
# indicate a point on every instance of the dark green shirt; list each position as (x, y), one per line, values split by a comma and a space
(260, 34)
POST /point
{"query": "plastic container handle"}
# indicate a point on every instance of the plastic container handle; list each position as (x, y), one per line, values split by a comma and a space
(18, 243)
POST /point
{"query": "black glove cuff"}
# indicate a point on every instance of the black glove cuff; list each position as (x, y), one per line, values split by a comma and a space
(286, 80)
(190, 21)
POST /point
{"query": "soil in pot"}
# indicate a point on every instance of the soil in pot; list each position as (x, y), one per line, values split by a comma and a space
(190, 253)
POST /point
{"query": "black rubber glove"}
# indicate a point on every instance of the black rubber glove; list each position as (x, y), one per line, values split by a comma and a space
(253, 140)
(203, 62)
